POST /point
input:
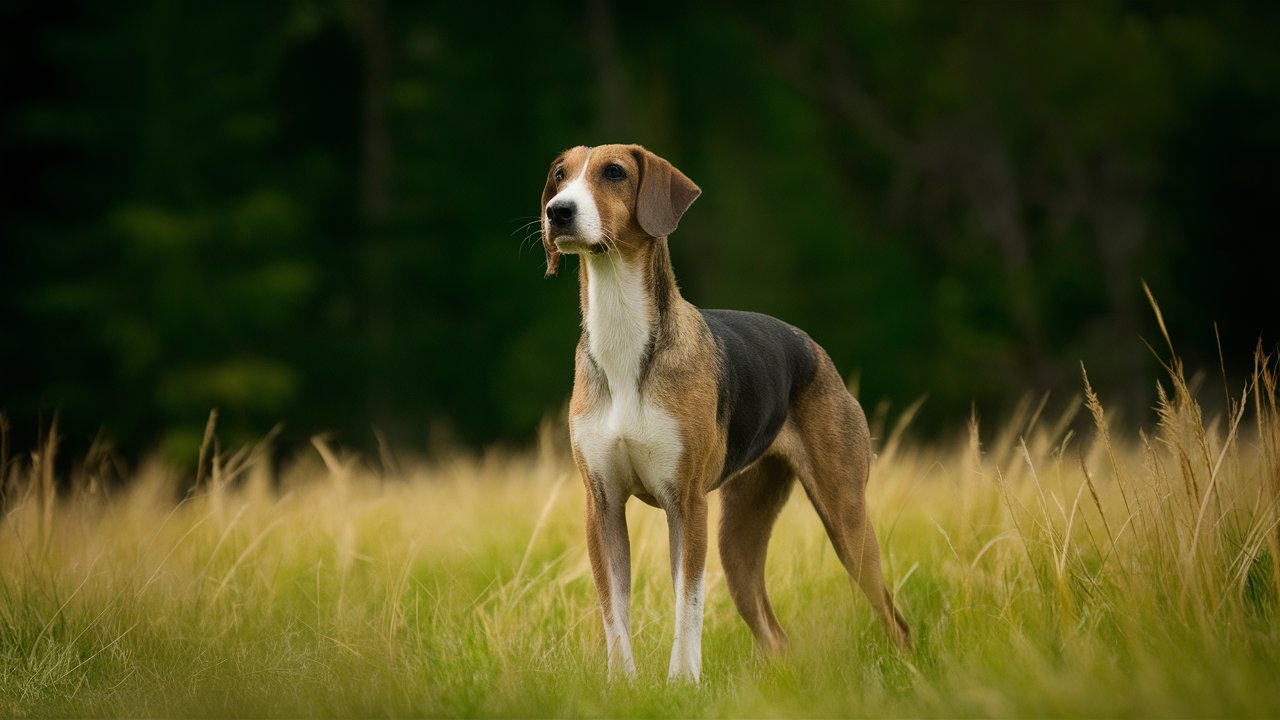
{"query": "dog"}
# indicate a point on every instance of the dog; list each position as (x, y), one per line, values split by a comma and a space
(671, 402)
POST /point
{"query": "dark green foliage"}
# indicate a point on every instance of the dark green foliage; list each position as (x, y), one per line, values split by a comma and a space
(314, 212)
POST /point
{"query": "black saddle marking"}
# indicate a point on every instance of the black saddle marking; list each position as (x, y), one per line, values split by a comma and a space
(764, 364)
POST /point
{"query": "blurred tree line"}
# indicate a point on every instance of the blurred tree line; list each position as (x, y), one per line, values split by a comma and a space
(313, 212)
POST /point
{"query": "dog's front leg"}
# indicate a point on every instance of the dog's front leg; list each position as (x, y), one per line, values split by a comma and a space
(687, 529)
(610, 550)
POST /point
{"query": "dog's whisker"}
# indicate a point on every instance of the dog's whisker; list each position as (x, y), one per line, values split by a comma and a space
(612, 249)
(616, 240)
(610, 240)
(526, 225)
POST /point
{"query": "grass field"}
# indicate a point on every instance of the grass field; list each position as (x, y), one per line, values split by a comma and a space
(1045, 573)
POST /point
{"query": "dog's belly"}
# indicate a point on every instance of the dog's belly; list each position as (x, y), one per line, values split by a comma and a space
(630, 446)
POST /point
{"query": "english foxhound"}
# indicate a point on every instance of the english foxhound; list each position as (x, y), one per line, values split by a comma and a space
(671, 402)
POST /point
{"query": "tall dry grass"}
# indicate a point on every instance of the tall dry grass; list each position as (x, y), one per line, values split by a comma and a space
(1045, 572)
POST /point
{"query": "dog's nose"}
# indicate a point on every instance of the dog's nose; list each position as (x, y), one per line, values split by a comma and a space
(561, 213)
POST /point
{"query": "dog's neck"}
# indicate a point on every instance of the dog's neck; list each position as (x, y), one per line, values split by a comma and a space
(627, 309)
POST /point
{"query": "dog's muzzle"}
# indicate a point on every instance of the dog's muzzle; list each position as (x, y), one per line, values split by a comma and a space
(562, 216)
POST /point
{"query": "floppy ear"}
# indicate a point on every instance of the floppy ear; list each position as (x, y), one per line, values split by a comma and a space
(665, 193)
(548, 192)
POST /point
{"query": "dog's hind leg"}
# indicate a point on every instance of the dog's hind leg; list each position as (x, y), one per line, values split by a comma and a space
(749, 506)
(833, 470)
(862, 560)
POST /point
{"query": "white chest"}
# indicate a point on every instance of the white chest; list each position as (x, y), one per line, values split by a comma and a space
(629, 442)
(630, 446)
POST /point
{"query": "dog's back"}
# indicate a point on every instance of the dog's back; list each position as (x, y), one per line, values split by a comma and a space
(764, 364)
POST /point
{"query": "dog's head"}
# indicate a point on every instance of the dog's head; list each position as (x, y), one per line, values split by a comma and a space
(610, 198)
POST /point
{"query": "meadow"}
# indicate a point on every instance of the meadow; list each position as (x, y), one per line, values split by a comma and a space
(1065, 565)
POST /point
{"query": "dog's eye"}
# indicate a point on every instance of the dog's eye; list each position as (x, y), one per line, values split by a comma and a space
(614, 171)
(559, 174)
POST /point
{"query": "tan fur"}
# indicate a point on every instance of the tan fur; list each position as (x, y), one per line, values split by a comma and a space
(824, 442)
(827, 446)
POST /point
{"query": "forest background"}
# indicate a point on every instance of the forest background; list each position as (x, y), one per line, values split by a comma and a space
(314, 213)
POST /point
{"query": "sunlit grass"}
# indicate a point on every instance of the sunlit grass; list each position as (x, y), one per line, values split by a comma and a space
(1044, 573)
